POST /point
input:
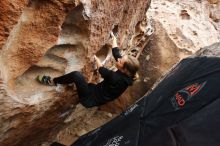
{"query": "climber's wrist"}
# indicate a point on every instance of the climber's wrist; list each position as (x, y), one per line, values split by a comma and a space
(114, 43)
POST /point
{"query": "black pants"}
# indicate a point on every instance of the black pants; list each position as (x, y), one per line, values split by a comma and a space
(85, 91)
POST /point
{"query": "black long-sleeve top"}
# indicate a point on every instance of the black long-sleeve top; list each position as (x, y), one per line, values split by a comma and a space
(114, 83)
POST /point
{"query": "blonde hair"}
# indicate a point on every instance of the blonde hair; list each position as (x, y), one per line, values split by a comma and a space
(131, 66)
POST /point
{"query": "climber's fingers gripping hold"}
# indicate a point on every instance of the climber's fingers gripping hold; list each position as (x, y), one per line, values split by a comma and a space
(98, 62)
(114, 40)
(112, 34)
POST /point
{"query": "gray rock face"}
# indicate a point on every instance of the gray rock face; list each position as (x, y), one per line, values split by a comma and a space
(211, 51)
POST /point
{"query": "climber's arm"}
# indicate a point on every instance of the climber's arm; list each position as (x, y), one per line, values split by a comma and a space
(116, 53)
(115, 50)
(106, 73)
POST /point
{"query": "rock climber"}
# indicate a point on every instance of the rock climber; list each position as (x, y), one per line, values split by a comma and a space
(113, 85)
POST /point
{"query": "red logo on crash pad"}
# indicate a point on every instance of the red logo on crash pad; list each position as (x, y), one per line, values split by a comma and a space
(185, 94)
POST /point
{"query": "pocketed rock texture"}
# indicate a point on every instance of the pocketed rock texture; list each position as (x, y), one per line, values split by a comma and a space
(180, 29)
(10, 13)
(54, 37)
(191, 25)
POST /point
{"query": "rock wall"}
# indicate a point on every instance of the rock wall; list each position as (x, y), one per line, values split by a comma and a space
(55, 37)
(10, 12)
(191, 25)
(180, 29)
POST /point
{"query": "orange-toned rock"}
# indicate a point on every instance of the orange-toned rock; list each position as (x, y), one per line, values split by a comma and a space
(53, 37)
(10, 13)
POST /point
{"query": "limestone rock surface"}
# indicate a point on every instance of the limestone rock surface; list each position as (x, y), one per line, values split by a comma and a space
(191, 25)
(180, 29)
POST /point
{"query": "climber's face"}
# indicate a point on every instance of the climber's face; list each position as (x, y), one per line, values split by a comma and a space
(120, 62)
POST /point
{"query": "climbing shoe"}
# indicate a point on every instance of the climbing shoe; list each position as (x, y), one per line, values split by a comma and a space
(44, 79)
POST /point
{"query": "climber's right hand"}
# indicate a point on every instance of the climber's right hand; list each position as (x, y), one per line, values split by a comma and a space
(114, 40)
(112, 35)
